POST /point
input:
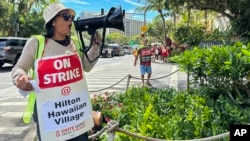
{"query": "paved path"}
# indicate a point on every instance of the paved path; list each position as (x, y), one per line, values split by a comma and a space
(163, 76)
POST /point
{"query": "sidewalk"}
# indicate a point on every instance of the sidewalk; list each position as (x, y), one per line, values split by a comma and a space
(174, 77)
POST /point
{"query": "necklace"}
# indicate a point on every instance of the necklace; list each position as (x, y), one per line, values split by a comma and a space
(64, 42)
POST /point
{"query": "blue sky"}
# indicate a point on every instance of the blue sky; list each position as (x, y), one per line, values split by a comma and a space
(96, 5)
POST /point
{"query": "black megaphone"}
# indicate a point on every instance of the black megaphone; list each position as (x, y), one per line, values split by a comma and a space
(114, 19)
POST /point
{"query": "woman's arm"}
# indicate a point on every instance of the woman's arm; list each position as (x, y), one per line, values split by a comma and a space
(25, 62)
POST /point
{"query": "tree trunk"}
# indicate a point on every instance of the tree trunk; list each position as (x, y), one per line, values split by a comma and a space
(174, 19)
(164, 26)
(206, 26)
(189, 9)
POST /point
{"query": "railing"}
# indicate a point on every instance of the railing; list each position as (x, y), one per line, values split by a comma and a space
(129, 77)
(113, 126)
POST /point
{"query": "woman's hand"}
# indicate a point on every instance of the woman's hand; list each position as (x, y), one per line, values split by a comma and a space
(24, 84)
(97, 39)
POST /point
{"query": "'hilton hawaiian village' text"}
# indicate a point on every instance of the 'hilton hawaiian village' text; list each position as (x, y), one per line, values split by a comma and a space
(73, 113)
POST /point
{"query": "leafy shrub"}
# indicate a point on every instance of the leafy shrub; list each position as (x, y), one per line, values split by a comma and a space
(171, 114)
(224, 70)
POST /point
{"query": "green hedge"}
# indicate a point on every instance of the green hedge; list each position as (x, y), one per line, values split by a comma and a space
(223, 69)
(170, 114)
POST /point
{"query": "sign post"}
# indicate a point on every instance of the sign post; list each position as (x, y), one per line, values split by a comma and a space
(143, 29)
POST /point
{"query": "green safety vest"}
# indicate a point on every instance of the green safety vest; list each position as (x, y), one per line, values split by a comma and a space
(140, 47)
(28, 112)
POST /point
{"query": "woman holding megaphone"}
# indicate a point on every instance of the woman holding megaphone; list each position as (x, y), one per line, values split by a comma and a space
(57, 89)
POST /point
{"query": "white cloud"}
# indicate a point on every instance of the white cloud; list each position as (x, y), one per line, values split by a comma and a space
(115, 3)
(75, 1)
(133, 3)
(131, 11)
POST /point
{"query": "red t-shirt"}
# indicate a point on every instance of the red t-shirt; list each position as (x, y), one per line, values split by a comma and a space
(145, 56)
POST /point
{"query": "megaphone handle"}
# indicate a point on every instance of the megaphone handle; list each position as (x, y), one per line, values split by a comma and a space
(83, 48)
(101, 48)
(92, 37)
(95, 38)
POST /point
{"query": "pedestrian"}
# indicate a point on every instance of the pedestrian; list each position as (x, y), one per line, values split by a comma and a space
(156, 52)
(153, 48)
(164, 53)
(144, 53)
(135, 52)
(160, 53)
(59, 73)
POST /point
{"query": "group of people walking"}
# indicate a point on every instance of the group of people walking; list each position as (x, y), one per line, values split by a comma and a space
(160, 52)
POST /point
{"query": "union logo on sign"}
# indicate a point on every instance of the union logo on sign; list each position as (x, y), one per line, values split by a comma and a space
(66, 90)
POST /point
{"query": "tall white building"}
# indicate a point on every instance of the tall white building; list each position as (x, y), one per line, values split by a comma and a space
(131, 26)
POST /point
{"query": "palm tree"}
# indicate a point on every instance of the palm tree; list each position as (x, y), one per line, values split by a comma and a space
(20, 8)
(156, 5)
(175, 5)
(26, 5)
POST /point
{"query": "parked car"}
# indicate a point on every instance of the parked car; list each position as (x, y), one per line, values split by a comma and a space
(11, 49)
(107, 51)
(128, 50)
(117, 50)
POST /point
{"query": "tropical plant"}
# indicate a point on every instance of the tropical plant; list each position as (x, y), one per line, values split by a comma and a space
(223, 69)
(23, 12)
(116, 37)
(169, 114)
(191, 35)
(237, 12)
(159, 6)
(3, 14)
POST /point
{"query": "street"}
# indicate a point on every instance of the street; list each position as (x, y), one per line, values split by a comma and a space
(104, 77)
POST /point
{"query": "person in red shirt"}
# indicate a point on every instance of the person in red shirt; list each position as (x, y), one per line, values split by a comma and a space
(164, 53)
(144, 53)
(160, 53)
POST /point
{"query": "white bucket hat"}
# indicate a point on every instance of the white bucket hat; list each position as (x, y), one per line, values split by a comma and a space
(53, 9)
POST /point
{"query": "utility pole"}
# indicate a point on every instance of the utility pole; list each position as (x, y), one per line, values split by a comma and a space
(145, 10)
(144, 17)
(15, 23)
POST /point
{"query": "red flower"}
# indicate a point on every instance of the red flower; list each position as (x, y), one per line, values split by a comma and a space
(119, 104)
(107, 119)
(110, 107)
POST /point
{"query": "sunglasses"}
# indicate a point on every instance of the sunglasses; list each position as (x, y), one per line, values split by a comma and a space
(66, 16)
